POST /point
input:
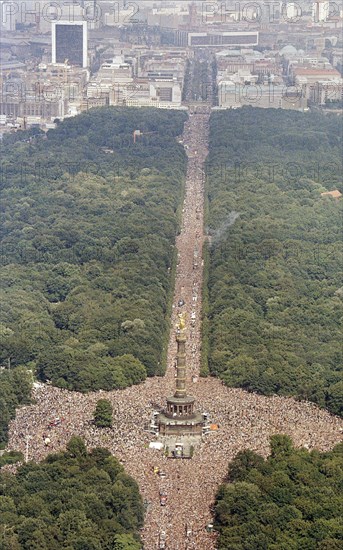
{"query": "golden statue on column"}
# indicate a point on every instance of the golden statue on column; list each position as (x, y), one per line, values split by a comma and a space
(182, 321)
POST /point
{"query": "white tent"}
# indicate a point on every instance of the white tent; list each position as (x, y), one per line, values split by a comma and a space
(156, 445)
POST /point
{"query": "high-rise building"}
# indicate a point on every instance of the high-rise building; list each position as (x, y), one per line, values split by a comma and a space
(69, 42)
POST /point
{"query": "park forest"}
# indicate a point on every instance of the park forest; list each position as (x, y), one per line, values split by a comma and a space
(291, 501)
(73, 500)
(273, 291)
(89, 220)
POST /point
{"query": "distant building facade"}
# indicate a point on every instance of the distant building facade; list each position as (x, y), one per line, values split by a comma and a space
(233, 95)
(230, 38)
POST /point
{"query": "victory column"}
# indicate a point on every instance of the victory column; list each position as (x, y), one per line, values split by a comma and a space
(179, 420)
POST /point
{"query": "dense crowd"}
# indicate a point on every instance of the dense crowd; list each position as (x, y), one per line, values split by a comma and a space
(245, 420)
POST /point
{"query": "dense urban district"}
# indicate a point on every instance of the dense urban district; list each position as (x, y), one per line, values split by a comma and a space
(107, 236)
(60, 59)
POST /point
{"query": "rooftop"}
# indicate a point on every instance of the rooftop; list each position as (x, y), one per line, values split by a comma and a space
(314, 71)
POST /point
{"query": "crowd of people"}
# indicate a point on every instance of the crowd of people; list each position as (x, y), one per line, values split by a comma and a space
(245, 420)
(188, 282)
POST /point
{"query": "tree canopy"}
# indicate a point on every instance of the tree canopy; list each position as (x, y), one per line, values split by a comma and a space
(87, 237)
(291, 501)
(75, 500)
(15, 389)
(103, 414)
(88, 229)
(273, 294)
